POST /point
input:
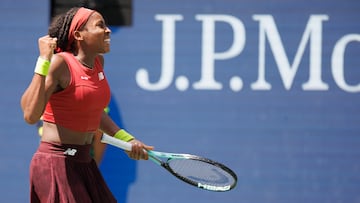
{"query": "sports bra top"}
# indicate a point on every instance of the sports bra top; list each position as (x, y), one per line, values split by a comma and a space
(80, 105)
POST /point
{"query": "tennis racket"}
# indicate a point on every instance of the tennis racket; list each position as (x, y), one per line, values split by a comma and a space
(194, 170)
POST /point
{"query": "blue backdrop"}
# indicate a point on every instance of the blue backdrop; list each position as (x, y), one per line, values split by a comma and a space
(269, 88)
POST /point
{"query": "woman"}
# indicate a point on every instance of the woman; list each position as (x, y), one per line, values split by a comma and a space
(70, 93)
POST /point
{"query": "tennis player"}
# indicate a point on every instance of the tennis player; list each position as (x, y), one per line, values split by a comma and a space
(69, 90)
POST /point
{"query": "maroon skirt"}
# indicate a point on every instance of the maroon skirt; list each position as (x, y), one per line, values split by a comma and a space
(66, 173)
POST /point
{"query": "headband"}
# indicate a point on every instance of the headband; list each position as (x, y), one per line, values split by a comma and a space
(80, 18)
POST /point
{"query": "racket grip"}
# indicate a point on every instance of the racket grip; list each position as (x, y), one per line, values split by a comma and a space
(116, 142)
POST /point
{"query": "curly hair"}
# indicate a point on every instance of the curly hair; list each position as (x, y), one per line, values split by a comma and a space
(59, 28)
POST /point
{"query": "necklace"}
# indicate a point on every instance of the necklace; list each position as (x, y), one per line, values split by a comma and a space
(85, 64)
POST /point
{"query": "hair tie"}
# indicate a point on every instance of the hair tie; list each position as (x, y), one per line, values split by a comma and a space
(58, 50)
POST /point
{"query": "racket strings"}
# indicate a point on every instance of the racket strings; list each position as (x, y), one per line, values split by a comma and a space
(201, 172)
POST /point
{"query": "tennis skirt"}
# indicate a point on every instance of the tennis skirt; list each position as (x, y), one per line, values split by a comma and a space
(66, 173)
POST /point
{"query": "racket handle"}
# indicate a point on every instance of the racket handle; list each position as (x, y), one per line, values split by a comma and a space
(116, 142)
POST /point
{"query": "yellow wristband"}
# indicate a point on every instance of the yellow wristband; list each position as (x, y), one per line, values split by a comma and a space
(42, 66)
(123, 135)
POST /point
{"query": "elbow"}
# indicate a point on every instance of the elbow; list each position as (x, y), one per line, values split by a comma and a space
(30, 115)
(30, 119)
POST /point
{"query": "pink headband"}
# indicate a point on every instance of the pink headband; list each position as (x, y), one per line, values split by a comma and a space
(79, 19)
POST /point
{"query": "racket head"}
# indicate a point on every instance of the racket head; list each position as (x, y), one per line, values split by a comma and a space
(202, 172)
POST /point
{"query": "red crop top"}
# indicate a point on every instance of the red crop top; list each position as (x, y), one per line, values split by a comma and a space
(79, 106)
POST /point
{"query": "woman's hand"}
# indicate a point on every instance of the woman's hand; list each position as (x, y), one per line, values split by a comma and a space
(139, 150)
(47, 45)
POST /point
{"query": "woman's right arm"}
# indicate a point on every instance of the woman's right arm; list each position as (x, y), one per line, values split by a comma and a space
(37, 94)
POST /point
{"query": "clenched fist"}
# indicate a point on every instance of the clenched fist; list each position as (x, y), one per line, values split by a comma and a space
(47, 45)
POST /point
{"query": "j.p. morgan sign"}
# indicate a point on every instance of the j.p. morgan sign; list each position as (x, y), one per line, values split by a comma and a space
(268, 35)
